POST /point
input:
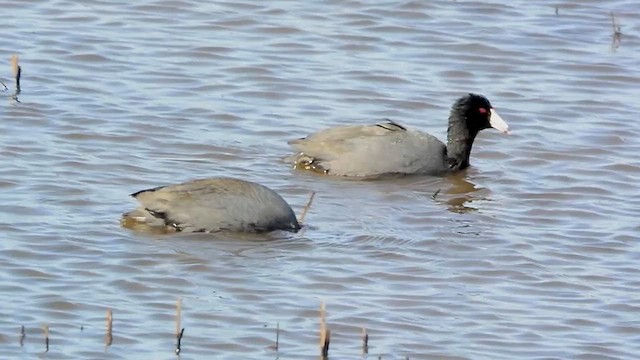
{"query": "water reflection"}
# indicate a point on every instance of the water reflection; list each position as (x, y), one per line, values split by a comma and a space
(616, 38)
(460, 194)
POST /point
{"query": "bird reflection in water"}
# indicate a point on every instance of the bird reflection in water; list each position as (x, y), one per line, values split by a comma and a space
(460, 194)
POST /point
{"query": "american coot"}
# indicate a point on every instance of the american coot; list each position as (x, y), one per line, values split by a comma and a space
(390, 148)
(210, 205)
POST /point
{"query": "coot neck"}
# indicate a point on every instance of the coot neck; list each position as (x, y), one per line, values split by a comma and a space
(459, 141)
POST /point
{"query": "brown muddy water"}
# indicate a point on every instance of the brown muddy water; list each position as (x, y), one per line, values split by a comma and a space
(532, 253)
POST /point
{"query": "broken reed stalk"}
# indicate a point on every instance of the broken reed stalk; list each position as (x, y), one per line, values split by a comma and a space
(178, 315)
(325, 333)
(325, 346)
(17, 71)
(108, 339)
(365, 341)
(435, 194)
(277, 344)
(179, 342)
(45, 328)
(617, 31)
(179, 329)
(306, 207)
(22, 336)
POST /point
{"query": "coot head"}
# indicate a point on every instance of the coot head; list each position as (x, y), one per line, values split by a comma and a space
(478, 113)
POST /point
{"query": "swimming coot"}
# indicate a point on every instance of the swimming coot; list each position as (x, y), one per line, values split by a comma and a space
(390, 148)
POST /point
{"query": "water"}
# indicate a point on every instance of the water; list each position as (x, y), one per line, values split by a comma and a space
(531, 253)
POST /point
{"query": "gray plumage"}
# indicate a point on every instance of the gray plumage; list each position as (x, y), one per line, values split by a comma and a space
(214, 204)
(370, 150)
(390, 148)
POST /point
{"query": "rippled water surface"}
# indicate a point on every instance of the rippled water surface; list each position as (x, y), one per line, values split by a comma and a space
(532, 253)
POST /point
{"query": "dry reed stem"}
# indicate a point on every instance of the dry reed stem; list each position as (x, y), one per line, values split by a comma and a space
(179, 342)
(178, 316)
(323, 326)
(17, 71)
(179, 329)
(22, 335)
(306, 207)
(45, 328)
(325, 347)
(277, 344)
(365, 341)
(616, 27)
(14, 65)
(108, 340)
(325, 333)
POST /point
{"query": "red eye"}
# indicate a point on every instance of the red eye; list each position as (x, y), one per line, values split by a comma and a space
(482, 110)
